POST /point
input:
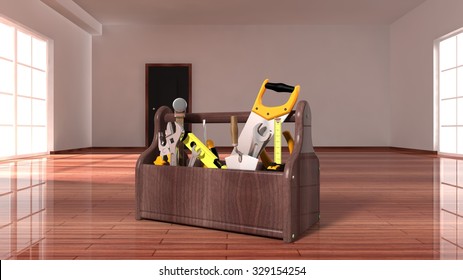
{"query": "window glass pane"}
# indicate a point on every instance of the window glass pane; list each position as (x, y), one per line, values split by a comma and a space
(24, 111)
(39, 112)
(448, 53)
(460, 80)
(6, 76)
(24, 80)
(447, 141)
(24, 48)
(7, 141)
(460, 111)
(460, 49)
(39, 54)
(39, 84)
(448, 84)
(24, 140)
(448, 110)
(7, 39)
(6, 109)
(39, 145)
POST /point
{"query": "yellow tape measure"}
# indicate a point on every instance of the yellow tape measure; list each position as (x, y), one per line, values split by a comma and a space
(277, 141)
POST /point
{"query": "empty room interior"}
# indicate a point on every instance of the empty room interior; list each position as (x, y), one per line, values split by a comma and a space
(368, 95)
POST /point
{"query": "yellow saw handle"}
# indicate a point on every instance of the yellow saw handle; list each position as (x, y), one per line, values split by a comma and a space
(270, 113)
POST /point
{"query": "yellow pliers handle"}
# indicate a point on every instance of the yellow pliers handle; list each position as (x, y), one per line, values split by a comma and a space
(265, 157)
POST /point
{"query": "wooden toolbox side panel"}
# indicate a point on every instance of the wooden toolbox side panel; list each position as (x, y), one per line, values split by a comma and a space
(243, 201)
(309, 189)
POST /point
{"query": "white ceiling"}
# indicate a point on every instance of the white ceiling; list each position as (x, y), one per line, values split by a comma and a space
(247, 12)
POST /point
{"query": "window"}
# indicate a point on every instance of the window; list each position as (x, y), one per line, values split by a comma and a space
(451, 95)
(23, 91)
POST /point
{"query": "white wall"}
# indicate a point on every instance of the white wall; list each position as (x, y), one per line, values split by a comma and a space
(412, 95)
(343, 72)
(367, 85)
(72, 69)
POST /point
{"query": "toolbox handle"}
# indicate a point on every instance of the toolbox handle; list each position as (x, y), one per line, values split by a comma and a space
(279, 87)
(217, 117)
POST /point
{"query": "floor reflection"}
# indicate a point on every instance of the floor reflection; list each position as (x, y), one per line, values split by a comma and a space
(451, 209)
(22, 203)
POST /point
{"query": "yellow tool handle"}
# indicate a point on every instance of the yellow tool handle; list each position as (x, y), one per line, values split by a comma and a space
(269, 113)
(266, 161)
(160, 160)
(264, 157)
(234, 130)
(210, 144)
(289, 139)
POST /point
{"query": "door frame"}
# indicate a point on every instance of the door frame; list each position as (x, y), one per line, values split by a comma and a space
(147, 66)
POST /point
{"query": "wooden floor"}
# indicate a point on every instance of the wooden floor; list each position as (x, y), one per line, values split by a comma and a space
(374, 205)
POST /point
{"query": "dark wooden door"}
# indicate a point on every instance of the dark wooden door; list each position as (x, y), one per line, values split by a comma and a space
(165, 83)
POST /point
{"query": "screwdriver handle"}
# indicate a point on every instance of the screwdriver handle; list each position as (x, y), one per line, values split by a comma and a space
(234, 130)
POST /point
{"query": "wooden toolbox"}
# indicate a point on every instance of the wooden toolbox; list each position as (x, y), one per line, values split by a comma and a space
(278, 204)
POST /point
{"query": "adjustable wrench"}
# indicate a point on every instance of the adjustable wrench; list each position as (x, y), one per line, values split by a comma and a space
(206, 156)
(195, 154)
(168, 142)
(162, 144)
(260, 137)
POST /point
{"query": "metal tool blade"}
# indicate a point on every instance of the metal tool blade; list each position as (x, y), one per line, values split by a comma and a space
(245, 140)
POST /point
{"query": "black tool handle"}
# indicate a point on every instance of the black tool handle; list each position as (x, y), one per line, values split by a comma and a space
(279, 87)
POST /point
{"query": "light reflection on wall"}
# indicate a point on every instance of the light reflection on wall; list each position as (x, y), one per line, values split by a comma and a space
(451, 209)
(22, 204)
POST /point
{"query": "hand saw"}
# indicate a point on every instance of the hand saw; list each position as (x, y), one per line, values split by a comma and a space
(266, 115)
